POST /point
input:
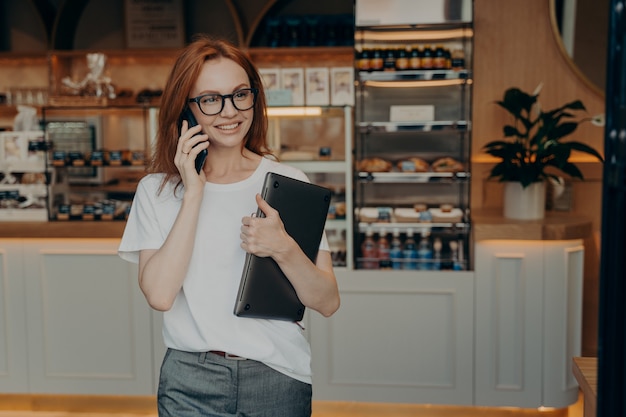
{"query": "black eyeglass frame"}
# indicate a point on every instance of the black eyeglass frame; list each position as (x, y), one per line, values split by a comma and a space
(196, 100)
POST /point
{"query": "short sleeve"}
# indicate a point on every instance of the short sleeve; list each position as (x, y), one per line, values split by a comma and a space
(142, 229)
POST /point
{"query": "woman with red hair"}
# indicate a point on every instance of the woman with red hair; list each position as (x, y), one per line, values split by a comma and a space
(189, 230)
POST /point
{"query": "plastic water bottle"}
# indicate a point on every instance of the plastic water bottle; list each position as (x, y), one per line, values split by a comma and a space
(369, 251)
(459, 265)
(437, 246)
(410, 251)
(425, 252)
(454, 254)
(395, 251)
(383, 250)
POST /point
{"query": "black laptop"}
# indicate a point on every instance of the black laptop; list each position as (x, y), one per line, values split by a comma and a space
(264, 291)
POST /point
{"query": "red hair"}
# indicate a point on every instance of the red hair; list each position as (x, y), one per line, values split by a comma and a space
(181, 79)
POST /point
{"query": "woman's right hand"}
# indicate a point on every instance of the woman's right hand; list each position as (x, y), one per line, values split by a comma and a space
(190, 143)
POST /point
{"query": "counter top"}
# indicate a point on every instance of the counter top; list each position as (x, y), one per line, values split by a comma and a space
(486, 224)
(586, 373)
(490, 224)
(61, 229)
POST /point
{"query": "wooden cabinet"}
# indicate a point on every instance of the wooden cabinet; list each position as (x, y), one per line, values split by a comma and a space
(528, 322)
(79, 307)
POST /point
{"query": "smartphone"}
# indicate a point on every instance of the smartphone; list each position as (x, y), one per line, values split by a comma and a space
(191, 121)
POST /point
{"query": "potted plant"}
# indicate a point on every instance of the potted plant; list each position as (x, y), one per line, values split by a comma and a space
(535, 150)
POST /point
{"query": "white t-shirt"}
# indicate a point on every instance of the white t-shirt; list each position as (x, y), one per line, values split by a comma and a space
(202, 318)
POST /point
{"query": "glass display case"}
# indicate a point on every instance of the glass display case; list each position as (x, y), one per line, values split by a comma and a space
(318, 140)
(412, 146)
(98, 155)
(23, 176)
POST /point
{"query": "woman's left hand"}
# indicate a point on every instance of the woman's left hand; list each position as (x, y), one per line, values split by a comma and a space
(314, 282)
(264, 236)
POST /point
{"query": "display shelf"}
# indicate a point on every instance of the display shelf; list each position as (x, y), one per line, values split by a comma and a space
(457, 227)
(413, 177)
(412, 144)
(319, 166)
(23, 166)
(23, 202)
(98, 155)
(304, 134)
(23, 215)
(398, 77)
(425, 126)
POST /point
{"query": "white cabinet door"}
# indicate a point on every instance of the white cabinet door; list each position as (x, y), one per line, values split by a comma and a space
(509, 299)
(89, 327)
(562, 326)
(399, 336)
(13, 342)
(528, 322)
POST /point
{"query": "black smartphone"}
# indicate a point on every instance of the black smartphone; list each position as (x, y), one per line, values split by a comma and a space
(191, 120)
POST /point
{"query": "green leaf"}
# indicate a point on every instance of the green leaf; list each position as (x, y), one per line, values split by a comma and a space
(562, 130)
(534, 140)
(581, 147)
(571, 170)
(511, 131)
(515, 101)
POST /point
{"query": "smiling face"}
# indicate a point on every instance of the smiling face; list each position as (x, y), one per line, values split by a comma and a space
(228, 128)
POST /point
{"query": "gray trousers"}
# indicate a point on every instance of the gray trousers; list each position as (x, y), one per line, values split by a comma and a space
(207, 385)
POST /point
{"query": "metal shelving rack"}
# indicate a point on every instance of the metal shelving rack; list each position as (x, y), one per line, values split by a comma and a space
(444, 130)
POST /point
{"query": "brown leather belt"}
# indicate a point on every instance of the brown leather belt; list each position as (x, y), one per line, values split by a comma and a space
(227, 355)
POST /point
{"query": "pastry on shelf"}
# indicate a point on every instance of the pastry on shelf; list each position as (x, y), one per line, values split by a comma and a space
(374, 214)
(446, 214)
(406, 215)
(420, 207)
(413, 164)
(447, 164)
(374, 165)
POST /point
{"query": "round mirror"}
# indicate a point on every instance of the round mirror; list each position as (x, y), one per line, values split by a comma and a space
(581, 28)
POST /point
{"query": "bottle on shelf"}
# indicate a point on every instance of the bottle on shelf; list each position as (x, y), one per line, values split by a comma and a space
(460, 263)
(410, 251)
(383, 249)
(427, 57)
(369, 251)
(415, 58)
(425, 252)
(395, 250)
(437, 246)
(389, 59)
(363, 60)
(402, 59)
(457, 59)
(456, 254)
(376, 60)
(440, 61)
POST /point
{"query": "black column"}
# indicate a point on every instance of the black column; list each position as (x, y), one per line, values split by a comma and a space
(612, 327)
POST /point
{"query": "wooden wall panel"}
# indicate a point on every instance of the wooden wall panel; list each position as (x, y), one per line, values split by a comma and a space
(514, 45)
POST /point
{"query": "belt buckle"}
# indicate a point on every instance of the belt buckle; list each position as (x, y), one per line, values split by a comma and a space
(233, 357)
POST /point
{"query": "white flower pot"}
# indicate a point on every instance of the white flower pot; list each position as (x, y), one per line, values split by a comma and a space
(524, 203)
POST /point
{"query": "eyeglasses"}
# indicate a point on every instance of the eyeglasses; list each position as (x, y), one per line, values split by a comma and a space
(212, 104)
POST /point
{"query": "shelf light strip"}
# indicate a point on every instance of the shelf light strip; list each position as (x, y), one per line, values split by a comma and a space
(426, 83)
(294, 111)
(375, 36)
